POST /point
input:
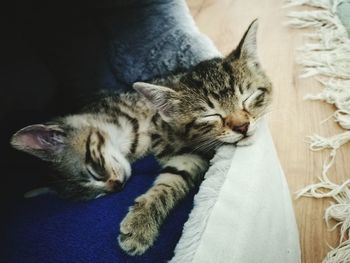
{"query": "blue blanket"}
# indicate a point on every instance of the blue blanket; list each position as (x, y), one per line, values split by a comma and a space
(49, 229)
(108, 45)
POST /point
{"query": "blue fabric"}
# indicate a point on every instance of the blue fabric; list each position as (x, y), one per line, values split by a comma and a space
(49, 229)
(154, 38)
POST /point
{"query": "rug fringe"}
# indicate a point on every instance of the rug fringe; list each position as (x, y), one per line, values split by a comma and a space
(327, 56)
(340, 254)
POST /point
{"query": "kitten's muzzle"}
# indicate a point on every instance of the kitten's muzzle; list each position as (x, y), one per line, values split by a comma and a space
(238, 122)
(114, 185)
(243, 128)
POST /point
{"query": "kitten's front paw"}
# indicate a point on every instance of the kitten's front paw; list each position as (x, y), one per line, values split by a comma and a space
(246, 141)
(138, 230)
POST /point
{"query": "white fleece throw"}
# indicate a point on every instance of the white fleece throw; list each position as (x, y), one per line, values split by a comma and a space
(327, 56)
(243, 211)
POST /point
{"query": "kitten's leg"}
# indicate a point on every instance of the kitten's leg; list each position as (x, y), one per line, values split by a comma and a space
(140, 227)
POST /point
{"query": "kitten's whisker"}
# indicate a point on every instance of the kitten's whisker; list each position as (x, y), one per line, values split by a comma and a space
(206, 145)
(212, 145)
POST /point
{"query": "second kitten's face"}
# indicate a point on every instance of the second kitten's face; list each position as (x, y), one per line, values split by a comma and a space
(219, 100)
(89, 160)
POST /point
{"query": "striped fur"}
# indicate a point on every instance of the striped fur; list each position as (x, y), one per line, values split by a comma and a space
(180, 119)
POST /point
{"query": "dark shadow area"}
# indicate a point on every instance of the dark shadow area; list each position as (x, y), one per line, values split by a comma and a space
(55, 58)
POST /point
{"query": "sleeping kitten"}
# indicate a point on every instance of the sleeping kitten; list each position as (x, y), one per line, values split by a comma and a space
(181, 119)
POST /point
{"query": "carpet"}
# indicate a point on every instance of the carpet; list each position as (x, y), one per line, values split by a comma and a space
(326, 57)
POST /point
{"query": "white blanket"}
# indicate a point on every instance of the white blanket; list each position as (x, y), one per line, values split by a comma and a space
(243, 211)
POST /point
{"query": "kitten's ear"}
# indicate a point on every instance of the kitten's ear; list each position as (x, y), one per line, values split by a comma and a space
(247, 48)
(43, 141)
(163, 98)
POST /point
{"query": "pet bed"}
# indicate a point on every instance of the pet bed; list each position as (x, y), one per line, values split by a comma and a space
(138, 40)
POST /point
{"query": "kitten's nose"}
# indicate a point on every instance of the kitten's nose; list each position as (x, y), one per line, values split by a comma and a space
(243, 128)
(115, 185)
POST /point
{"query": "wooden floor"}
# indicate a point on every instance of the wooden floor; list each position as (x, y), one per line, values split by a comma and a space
(292, 118)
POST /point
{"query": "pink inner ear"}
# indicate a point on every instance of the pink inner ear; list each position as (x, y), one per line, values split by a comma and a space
(45, 142)
(38, 137)
(30, 140)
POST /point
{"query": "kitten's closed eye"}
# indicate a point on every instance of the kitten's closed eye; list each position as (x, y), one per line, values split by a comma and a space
(262, 89)
(95, 175)
(210, 119)
(255, 99)
(214, 116)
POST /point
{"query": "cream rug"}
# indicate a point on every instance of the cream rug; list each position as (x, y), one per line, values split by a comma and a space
(327, 58)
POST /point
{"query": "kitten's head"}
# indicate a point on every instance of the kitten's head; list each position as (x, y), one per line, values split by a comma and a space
(217, 100)
(89, 163)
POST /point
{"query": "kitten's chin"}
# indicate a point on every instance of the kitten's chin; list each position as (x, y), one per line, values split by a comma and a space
(232, 139)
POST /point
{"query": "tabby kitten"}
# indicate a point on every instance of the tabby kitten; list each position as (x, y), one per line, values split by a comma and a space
(181, 119)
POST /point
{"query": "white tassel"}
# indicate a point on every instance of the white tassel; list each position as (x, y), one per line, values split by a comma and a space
(319, 143)
(327, 56)
(341, 254)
